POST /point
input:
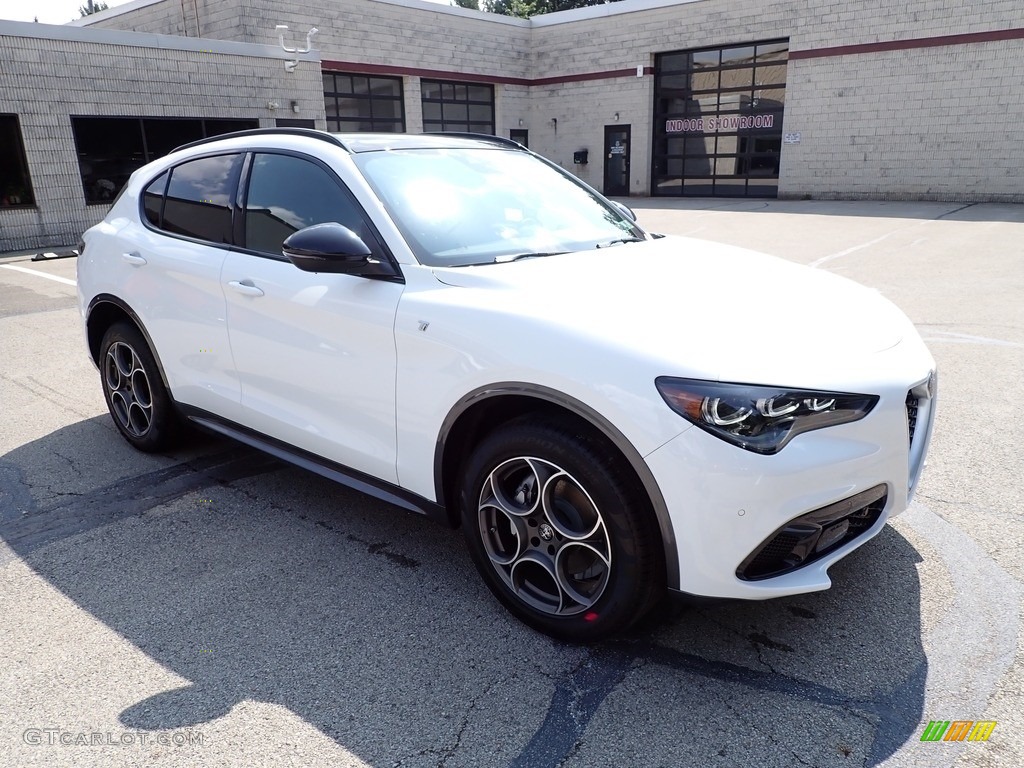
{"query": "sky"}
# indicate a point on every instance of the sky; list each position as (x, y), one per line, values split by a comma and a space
(58, 11)
(48, 11)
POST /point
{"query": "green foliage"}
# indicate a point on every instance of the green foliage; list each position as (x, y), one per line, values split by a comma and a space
(473, 4)
(527, 8)
(86, 10)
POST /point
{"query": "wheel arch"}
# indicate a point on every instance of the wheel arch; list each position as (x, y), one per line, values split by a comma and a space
(487, 407)
(106, 309)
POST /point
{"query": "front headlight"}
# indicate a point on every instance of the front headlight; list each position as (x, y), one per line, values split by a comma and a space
(760, 419)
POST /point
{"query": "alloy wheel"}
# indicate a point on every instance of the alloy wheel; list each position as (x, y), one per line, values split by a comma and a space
(544, 536)
(131, 397)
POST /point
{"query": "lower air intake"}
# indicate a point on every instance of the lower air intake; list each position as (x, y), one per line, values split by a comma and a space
(912, 403)
(813, 535)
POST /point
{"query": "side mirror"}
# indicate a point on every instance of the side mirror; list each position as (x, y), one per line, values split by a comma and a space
(625, 210)
(333, 248)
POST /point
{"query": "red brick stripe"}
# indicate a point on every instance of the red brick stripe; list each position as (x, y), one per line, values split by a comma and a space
(906, 45)
(468, 77)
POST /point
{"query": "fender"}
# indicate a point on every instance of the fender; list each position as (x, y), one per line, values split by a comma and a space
(595, 419)
(107, 298)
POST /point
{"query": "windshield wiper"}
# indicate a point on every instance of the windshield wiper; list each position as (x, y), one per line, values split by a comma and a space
(517, 257)
(619, 241)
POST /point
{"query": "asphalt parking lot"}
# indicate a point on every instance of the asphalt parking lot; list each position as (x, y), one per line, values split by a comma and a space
(214, 607)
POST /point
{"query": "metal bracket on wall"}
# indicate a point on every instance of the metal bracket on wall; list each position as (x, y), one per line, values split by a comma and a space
(289, 66)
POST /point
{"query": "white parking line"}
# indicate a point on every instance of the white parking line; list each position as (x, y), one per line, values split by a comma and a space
(964, 338)
(27, 271)
(848, 251)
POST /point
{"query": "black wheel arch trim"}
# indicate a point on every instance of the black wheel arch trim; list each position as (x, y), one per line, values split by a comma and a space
(332, 470)
(107, 298)
(595, 419)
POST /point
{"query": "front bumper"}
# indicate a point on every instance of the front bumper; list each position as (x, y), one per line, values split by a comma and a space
(728, 506)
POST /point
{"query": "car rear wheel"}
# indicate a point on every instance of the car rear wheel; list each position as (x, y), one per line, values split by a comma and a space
(560, 530)
(139, 403)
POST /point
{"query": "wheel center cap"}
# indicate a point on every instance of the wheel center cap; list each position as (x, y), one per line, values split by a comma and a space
(546, 532)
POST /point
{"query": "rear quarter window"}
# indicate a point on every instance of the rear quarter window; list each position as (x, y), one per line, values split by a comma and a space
(153, 199)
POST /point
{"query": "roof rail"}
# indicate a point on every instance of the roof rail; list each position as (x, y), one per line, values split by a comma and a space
(489, 137)
(308, 132)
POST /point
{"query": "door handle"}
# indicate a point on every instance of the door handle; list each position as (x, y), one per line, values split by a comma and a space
(246, 288)
(133, 258)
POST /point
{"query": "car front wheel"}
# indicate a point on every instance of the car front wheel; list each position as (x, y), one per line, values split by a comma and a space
(560, 530)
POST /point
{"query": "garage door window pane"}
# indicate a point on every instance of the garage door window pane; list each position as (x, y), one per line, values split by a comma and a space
(109, 150)
(15, 187)
(457, 106)
(730, 119)
(363, 103)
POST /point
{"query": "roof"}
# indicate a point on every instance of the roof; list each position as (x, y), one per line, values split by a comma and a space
(369, 142)
(376, 142)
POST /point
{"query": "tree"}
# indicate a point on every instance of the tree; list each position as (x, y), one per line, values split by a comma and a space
(471, 4)
(91, 8)
(527, 8)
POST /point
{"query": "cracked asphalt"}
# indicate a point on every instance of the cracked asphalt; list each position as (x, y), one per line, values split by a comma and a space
(215, 607)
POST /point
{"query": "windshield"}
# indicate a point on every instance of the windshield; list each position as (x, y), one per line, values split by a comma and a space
(481, 205)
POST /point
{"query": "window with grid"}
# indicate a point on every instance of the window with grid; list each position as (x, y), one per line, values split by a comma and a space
(718, 120)
(357, 103)
(461, 107)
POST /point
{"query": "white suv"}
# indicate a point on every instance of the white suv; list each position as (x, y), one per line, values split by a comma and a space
(459, 327)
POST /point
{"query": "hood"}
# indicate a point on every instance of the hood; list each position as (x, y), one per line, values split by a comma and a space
(697, 308)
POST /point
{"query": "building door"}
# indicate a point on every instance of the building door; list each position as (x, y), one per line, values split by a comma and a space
(520, 135)
(717, 129)
(616, 160)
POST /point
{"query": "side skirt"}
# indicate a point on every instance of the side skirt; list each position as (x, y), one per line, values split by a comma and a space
(339, 473)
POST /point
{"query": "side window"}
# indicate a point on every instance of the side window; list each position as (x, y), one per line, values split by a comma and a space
(198, 200)
(287, 194)
(153, 198)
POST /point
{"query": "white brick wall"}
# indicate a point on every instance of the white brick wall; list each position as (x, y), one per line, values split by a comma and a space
(933, 123)
(429, 37)
(930, 123)
(46, 81)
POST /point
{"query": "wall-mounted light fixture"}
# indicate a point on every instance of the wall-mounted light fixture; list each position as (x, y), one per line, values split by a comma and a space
(295, 106)
(616, 116)
(520, 122)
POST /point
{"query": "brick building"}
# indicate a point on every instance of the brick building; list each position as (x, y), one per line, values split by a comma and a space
(80, 109)
(789, 98)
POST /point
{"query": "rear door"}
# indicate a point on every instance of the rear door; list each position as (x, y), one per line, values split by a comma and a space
(315, 353)
(173, 261)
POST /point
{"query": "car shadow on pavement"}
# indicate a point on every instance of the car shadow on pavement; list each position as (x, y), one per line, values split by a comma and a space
(261, 582)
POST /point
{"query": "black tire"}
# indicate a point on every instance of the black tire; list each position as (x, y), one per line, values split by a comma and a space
(137, 399)
(587, 562)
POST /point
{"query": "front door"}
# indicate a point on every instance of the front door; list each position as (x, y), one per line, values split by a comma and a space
(314, 352)
(616, 160)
